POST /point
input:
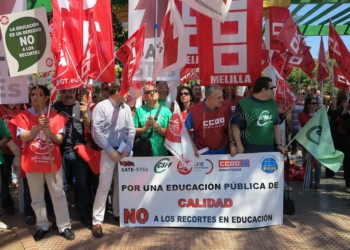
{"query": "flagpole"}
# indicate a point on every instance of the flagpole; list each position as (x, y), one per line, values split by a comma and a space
(155, 41)
(298, 79)
(333, 77)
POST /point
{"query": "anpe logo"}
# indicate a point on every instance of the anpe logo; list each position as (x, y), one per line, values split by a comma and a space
(234, 163)
(162, 165)
(269, 164)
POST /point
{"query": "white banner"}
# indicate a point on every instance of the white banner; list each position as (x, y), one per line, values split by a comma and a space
(218, 192)
(12, 89)
(27, 42)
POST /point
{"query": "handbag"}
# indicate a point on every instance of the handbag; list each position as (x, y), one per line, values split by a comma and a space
(143, 146)
(288, 204)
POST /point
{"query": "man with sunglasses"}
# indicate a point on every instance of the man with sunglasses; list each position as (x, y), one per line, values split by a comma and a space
(144, 121)
(104, 90)
(78, 121)
(255, 124)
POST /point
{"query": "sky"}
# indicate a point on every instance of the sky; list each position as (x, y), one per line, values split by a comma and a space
(314, 41)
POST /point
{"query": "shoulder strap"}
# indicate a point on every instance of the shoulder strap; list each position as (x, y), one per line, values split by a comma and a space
(155, 118)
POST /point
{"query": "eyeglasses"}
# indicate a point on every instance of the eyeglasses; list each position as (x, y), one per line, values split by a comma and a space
(106, 89)
(70, 91)
(313, 103)
(151, 91)
(185, 93)
(301, 93)
(33, 94)
(271, 88)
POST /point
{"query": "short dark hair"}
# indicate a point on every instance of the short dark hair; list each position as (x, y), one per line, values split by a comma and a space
(261, 83)
(178, 99)
(44, 89)
(114, 88)
(196, 84)
(312, 88)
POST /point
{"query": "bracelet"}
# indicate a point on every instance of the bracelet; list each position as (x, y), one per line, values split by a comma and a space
(279, 144)
(233, 142)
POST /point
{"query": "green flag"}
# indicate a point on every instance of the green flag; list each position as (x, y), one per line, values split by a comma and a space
(316, 137)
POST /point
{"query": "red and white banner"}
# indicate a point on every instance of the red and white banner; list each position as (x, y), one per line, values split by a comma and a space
(322, 71)
(178, 141)
(338, 51)
(228, 51)
(215, 9)
(340, 81)
(146, 11)
(130, 54)
(278, 18)
(169, 52)
(265, 58)
(217, 192)
(292, 38)
(13, 89)
(71, 22)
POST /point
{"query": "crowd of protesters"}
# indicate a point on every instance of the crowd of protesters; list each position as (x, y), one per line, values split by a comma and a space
(217, 118)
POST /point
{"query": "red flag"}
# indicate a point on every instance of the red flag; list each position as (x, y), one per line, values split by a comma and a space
(322, 71)
(178, 141)
(339, 80)
(188, 74)
(286, 91)
(265, 58)
(338, 51)
(169, 53)
(278, 17)
(130, 53)
(230, 52)
(71, 21)
(292, 38)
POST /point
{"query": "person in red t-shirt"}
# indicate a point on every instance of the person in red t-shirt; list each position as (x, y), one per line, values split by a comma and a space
(310, 107)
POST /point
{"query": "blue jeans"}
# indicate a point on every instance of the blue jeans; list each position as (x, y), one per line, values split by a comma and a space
(317, 174)
(6, 200)
(72, 163)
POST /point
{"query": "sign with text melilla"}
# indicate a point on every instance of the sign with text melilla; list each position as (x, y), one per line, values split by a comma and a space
(27, 42)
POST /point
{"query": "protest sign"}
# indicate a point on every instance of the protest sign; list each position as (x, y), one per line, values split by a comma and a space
(27, 42)
(217, 192)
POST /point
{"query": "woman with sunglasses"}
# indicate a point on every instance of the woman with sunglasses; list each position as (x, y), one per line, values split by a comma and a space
(184, 99)
(310, 108)
(31, 128)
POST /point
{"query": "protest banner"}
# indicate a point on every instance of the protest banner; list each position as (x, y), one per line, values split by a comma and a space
(27, 42)
(12, 89)
(218, 192)
(228, 51)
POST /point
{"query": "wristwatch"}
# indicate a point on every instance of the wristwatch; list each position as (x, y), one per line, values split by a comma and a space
(279, 144)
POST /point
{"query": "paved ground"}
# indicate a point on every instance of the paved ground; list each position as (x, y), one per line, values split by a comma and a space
(322, 221)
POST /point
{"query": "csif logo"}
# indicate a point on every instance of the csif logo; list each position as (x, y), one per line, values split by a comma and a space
(162, 165)
(264, 118)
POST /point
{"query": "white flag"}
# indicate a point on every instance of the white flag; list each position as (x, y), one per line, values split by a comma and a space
(215, 9)
(170, 54)
(178, 141)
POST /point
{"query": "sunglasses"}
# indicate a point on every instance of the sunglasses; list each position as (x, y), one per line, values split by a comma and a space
(33, 94)
(151, 91)
(302, 93)
(106, 89)
(70, 91)
(185, 93)
(272, 87)
(313, 103)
